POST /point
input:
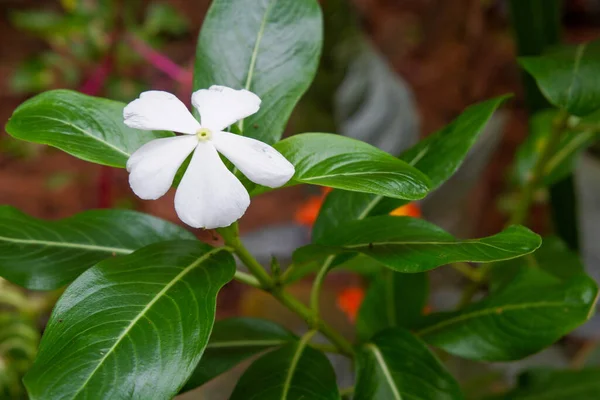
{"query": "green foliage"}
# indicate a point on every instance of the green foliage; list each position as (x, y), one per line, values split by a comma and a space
(395, 365)
(45, 255)
(545, 383)
(86, 127)
(273, 51)
(147, 315)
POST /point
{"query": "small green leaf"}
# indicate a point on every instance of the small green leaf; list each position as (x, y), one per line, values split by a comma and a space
(133, 326)
(393, 299)
(270, 47)
(543, 384)
(568, 76)
(233, 341)
(395, 365)
(90, 128)
(532, 312)
(45, 255)
(340, 162)
(293, 372)
(438, 156)
(413, 245)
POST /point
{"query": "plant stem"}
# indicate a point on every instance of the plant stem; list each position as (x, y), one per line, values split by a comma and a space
(318, 283)
(232, 239)
(247, 279)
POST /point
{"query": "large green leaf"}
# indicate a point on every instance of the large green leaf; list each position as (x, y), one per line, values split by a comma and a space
(270, 47)
(132, 326)
(532, 312)
(393, 299)
(45, 255)
(548, 384)
(413, 245)
(568, 76)
(86, 127)
(438, 156)
(395, 365)
(343, 163)
(234, 340)
(293, 372)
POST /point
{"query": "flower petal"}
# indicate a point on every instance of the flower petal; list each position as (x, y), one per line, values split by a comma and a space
(220, 106)
(156, 110)
(260, 162)
(209, 195)
(154, 165)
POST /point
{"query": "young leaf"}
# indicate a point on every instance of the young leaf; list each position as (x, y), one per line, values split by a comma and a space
(233, 341)
(270, 47)
(567, 76)
(413, 245)
(531, 313)
(557, 384)
(133, 326)
(340, 162)
(295, 371)
(45, 255)
(396, 365)
(90, 128)
(393, 299)
(438, 156)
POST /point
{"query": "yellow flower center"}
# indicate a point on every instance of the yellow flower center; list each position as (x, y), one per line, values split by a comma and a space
(203, 134)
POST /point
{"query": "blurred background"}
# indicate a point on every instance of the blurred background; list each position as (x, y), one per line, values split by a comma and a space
(392, 71)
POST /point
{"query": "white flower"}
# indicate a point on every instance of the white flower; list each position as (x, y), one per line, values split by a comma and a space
(209, 195)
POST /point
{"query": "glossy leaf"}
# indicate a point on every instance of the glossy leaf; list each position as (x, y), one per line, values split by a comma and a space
(542, 384)
(133, 326)
(90, 128)
(45, 255)
(343, 163)
(396, 365)
(531, 313)
(438, 156)
(293, 372)
(393, 299)
(413, 245)
(234, 340)
(270, 47)
(567, 76)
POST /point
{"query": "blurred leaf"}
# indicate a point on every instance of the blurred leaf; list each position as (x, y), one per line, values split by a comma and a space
(340, 162)
(164, 18)
(90, 128)
(147, 316)
(32, 75)
(413, 245)
(567, 76)
(46, 23)
(557, 385)
(45, 255)
(438, 156)
(272, 49)
(532, 312)
(392, 300)
(19, 338)
(397, 365)
(293, 372)
(234, 340)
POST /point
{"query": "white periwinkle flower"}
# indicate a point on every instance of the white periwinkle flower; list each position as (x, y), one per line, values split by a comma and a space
(209, 195)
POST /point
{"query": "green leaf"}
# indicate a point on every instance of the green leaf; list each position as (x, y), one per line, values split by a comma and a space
(233, 341)
(395, 365)
(45, 255)
(413, 245)
(547, 384)
(343, 163)
(568, 76)
(393, 299)
(270, 47)
(293, 372)
(90, 128)
(438, 156)
(133, 326)
(562, 162)
(531, 313)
